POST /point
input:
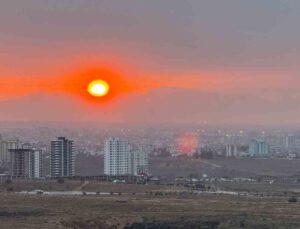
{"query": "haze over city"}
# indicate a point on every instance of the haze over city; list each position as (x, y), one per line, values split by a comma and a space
(174, 61)
(149, 114)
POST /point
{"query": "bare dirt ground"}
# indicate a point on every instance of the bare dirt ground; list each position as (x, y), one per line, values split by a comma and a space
(272, 167)
(77, 185)
(182, 166)
(173, 211)
(30, 185)
(172, 167)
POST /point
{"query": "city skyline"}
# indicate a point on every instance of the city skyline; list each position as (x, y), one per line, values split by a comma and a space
(150, 114)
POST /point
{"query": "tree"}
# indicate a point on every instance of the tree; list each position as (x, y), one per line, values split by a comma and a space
(8, 181)
(292, 200)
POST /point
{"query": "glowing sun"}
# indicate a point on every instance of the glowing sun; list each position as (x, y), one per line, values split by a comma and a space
(98, 88)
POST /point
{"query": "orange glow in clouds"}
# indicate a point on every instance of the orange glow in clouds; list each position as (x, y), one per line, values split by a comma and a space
(98, 85)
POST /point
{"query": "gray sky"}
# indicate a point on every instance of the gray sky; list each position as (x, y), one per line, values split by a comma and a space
(234, 49)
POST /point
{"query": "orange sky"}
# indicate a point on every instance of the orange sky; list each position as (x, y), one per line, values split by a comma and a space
(172, 60)
(131, 81)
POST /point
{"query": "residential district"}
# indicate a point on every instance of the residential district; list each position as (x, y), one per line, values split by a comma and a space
(66, 157)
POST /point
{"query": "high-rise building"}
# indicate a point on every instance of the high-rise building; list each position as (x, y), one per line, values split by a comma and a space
(290, 141)
(119, 159)
(5, 146)
(37, 163)
(231, 150)
(62, 158)
(258, 148)
(26, 163)
(116, 157)
(139, 162)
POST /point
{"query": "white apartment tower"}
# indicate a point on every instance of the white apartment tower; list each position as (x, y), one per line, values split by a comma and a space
(62, 158)
(120, 160)
(37, 163)
(231, 150)
(116, 157)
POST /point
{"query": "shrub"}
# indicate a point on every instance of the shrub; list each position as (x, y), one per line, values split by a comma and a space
(8, 181)
(292, 200)
(10, 189)
(60, 180)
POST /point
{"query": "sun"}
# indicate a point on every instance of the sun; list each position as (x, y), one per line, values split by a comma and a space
(98, 88)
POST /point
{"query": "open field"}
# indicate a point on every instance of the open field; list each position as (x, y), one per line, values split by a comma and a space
(182, 166)
(77, 185)
(29, 185)
(258, 205)
(147, 206)
(260, 188)
(172, 167)
(270, 167)
(134, 212)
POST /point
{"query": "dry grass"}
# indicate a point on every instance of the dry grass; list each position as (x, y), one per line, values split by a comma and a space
(29, 185)
(172, 167)
(62, 212)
